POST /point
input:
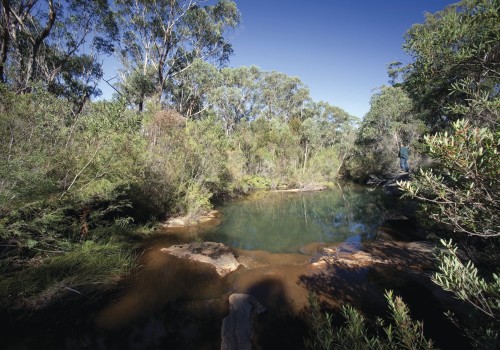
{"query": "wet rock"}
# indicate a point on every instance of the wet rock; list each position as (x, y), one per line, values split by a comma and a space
(354, 260)
(215, 254)
(400, 229)
(238, 327)
(388, 182)
(311, 248)
(415, 255)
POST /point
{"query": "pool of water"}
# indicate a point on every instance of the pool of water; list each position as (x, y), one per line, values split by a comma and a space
(285, 221)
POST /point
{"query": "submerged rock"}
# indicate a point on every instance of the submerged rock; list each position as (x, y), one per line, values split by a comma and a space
(215, 254)
(238, 327)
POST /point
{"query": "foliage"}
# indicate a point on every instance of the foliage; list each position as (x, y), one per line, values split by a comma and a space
(401, 333)
(161, 39)
(462, 191)
(56, 43)
(389, 123)
(73, 270)
(64, 181)
(465, 282)
(455, 47)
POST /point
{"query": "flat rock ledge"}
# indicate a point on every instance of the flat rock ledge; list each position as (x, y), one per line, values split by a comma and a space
(186, 221)
(410, 254)
(304, 188)
(238, 327)
(356, 260)
(218, 255)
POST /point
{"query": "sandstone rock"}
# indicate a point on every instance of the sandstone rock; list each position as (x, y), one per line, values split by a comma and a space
(237, 327)
(212, 216)
(215, 254)
(354, 260)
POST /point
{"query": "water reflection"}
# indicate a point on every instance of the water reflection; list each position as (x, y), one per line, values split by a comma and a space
(284, 222)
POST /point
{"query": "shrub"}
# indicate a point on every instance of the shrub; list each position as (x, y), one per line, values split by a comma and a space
(401, 333)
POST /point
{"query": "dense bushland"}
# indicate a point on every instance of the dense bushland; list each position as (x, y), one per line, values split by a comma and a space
(445, 104)
(81, 180)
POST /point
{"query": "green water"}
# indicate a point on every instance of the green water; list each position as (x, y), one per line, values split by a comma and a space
(285, 222)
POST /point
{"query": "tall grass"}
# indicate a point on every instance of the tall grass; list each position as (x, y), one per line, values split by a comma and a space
(89, 268)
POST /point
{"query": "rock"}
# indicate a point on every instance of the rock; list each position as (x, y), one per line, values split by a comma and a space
(354, 260)
(237, 328)
(212, 216)
(215, 254)
(311, 248)
(303, 188)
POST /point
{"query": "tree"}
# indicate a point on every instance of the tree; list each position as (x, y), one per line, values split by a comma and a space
(193, 87)
(238, 97)
(323, 128)
(46, 41)
(166, 36)
(283, 96)
(457, 46)
(388, 123)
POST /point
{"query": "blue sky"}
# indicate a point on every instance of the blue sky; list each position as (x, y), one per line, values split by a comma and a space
(338, 48)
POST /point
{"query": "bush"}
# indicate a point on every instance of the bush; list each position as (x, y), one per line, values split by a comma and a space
(463, 190)
(401, 333)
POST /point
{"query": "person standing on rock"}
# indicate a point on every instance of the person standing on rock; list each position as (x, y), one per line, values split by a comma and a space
(404, 154)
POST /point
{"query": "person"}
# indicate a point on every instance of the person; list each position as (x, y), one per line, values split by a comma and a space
(404, 154)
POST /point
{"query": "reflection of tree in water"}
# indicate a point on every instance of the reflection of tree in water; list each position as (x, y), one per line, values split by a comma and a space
(286, 221)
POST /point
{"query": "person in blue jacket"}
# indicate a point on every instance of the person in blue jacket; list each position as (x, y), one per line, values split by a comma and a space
(404, 154)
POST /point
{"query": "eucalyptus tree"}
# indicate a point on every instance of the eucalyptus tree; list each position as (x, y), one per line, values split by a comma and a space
(283, 96)
(192, 88)
(326, 127)
(456, 64)
(166, 36)
(56, 43)
(389, 122)
(238, 98)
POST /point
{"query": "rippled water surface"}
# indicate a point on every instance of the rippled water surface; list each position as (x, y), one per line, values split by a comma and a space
(286, 221)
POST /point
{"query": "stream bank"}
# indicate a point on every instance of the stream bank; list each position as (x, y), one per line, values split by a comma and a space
(174, 302)
(191, 313)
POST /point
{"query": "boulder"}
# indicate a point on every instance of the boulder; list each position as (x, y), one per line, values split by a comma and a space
(238, 327)
(215, 254)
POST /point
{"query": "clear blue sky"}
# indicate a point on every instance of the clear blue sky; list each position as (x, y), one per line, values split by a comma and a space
(338, 48)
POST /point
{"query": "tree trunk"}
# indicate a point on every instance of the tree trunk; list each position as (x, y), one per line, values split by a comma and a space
(37, 42)
(4, 38)
(305, 159)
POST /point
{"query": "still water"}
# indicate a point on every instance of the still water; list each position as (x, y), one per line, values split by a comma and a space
(283, 222)
(172, 303)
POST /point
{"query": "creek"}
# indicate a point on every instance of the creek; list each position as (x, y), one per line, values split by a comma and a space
(171, 303)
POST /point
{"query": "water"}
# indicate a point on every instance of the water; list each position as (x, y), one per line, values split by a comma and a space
(172, 303)
(283, 222)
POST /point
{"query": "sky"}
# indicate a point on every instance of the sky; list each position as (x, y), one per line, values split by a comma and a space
(338, 48)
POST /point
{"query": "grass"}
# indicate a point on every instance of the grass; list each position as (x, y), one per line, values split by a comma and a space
(87, 269)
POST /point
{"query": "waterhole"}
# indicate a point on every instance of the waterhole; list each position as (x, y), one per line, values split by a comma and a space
(283, 222)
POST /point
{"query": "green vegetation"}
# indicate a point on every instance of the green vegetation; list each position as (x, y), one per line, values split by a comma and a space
(445, 103)
(399, 332)
(78, 177)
